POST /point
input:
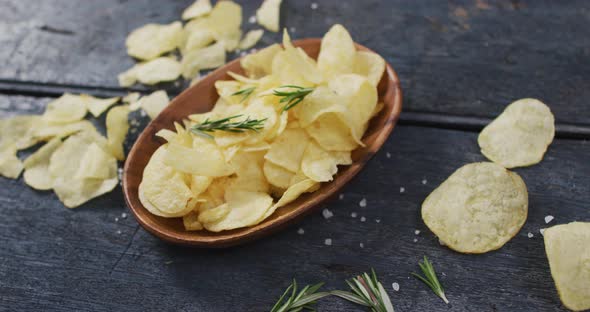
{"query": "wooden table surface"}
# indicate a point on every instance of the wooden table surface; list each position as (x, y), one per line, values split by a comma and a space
(460, 62)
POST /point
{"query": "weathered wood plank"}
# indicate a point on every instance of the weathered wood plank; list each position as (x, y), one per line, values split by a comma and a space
(53, 258)
(467, 57)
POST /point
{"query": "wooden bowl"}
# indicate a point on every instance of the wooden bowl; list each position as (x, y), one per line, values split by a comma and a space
(200, 98)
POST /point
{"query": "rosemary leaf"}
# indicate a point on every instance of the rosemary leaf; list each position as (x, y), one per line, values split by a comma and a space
(431, 279)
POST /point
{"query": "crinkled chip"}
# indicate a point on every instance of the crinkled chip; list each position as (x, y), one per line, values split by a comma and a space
(46, 131)
(197, 38)
(268, 14)
(246, 208)
(320, 165)
(224, 22)
(277, 175)
(479, 208)
(152, 40)
(520, 135)
(293, 66)
(370, 65)
(214, 214)
(212, 56)
(337, 52)
(250, 39)
(249, 173)
(66, 109)
(19, 130)
(288, 148)
(10, 165)
(206, 160)
(151, 72)
(291, 194)
(131, 97)
(96, 164)
(568, 250)
(321, 100)
(65, 163)
(163, 190)
(197, 9)
(98, 106)
(191, 221)
(259, 64)
(154, 103)
(331, 133)
(36, 166)
(117, 126)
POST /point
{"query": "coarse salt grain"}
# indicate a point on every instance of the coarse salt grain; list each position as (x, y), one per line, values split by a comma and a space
(119, 232)
(424, 181)
(328, 242)
(417, 232)
(143, 113)
(378, 220)
(301, 231)
(362, 245)
(252, 19)
(124, 215)
(292, 29)
(395, 286)
(327, 213)
(116, 219)
(388, 155)
(363, 203)
(549, 218)
(363, 219)
(402, 189)
(415, 240)
(353, 214)
(341, 196)
(530, 235)
(314, 6)
(542, 231)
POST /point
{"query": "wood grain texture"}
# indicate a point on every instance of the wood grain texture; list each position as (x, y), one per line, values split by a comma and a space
(56, 259)
(465, 57)
(199, 99)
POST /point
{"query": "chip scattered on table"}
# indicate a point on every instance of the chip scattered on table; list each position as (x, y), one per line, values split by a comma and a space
(520, 135)
(479, 208)
(268, 14)
(568, 251)
(152, 40)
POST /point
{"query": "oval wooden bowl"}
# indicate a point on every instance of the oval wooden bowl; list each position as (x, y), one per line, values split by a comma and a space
(200, 98)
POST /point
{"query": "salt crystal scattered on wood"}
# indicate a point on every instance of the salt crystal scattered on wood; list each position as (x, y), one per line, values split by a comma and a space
(549, 218)
(328, 242)
(395, 286)
(363, 203)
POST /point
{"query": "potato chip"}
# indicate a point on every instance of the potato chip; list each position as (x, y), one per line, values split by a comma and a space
(65, 109)
(45, 131)
(361, 99)
(288, 148)
(200, 160)
(117, 126)
(479, 208)
(151, 72)
(370, 65)
(98, 106)
(337, 53)
(294, 67)
(331, 133)
(245, 209)
(291, 194)
(320, 165)
(10, 165)
(153, 40)
(36, 166)
(197, 9)
(268, 14)
(212, 56)
(259, 64)
(197, 39)
(214, 214)
(226, 90)
(277, 175)
(163, 190)
(568, 252)
(19, 130)
(154, 103)
(96, 164)
(199, 184)
(520, 135)
(191, 221)
(131, 97)
(250, 39)
(256, 147)
(224, 22)
(249, 173)
(230, 41)
(320, 101)
(64, 164)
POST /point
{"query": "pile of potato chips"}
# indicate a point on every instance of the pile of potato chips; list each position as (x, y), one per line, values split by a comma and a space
(77, 162)
(202, 42)
(233, 180)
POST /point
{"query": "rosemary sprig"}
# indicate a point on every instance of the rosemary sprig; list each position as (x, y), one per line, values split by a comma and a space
(291, 97)
(367, 291)
(225, 124)
(430, 279)
(245, 93)
(303, 300)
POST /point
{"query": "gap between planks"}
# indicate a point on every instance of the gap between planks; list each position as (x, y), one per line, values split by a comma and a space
(407, 118)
